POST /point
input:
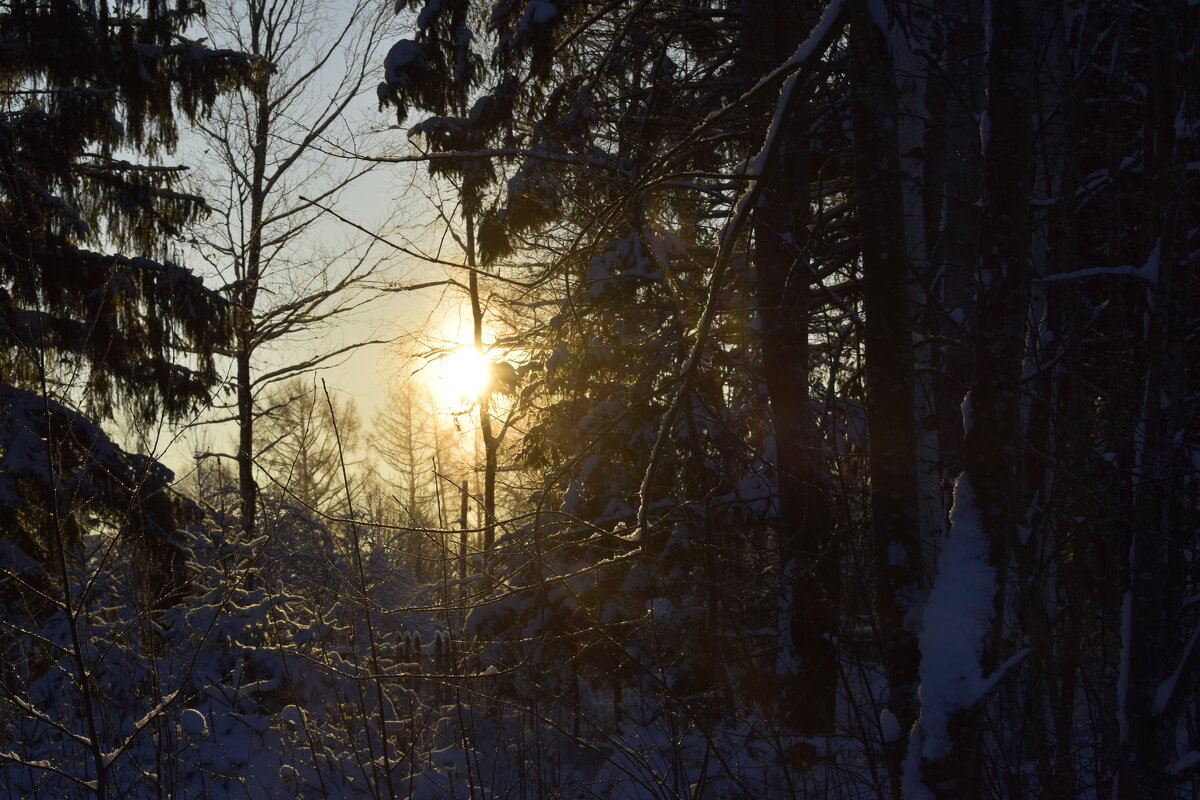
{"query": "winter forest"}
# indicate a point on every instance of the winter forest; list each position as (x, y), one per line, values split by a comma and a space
(781, 399)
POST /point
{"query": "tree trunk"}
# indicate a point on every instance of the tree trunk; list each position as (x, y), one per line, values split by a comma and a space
(1162, 660)
(490, 440)
(464, 525)
(247, 334)
(808, 556)
(1050, 560)
(891, 425)
(958, 246)
(992, 428)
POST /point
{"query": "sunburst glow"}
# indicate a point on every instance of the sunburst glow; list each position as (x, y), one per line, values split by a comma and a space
(461, 376)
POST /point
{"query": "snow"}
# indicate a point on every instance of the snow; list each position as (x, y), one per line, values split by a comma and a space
(193, 723)
(622, 531)
(1147, 273)
(430, 11)
(14, 561)
(879, 15)
(1166, 689)
(636, 257)
(538, 12)
(807, 50)
(400, 57)
(1188, 761)
(958, 616)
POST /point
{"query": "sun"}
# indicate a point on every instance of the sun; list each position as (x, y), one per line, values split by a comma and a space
(461, 377)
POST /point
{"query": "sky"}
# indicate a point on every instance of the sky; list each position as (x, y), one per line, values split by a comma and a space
(397, 200)
(410, 321)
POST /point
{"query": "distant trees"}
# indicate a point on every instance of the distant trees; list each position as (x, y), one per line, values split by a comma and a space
(408, 438)
(296, 445)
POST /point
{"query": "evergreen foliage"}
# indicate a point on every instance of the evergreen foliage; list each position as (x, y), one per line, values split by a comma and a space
(93, 315)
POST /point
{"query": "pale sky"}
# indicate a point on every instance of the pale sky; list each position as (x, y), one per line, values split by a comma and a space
(396, 191)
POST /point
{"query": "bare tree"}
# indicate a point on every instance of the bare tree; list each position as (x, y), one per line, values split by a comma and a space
(409, 439)
(278, 149)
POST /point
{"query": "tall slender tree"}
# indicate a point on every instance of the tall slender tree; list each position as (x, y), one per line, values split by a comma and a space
(279, 154)
(890, 364)
(782, 260)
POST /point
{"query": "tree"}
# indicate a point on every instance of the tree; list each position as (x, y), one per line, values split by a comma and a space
(988, 502)
(783, 265)
(910, 244)
(84, 329)
(298, 448)
(281, 150)
(406, 437)
(1163, 666)
(95, 318)
(627, 274)
(889, 359)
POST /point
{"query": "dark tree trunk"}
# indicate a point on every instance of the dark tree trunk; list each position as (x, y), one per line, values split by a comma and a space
(251, 275)
(889, 362)
(960, 93)
(992, 428)
(491, 442)
(1050, 560)
(808, 554)
(1162, 660)
(247, 487)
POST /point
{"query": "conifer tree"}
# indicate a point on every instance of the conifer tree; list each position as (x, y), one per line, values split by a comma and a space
(96, 317)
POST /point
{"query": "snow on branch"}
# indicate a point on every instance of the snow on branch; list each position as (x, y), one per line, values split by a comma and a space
(1145, 274)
